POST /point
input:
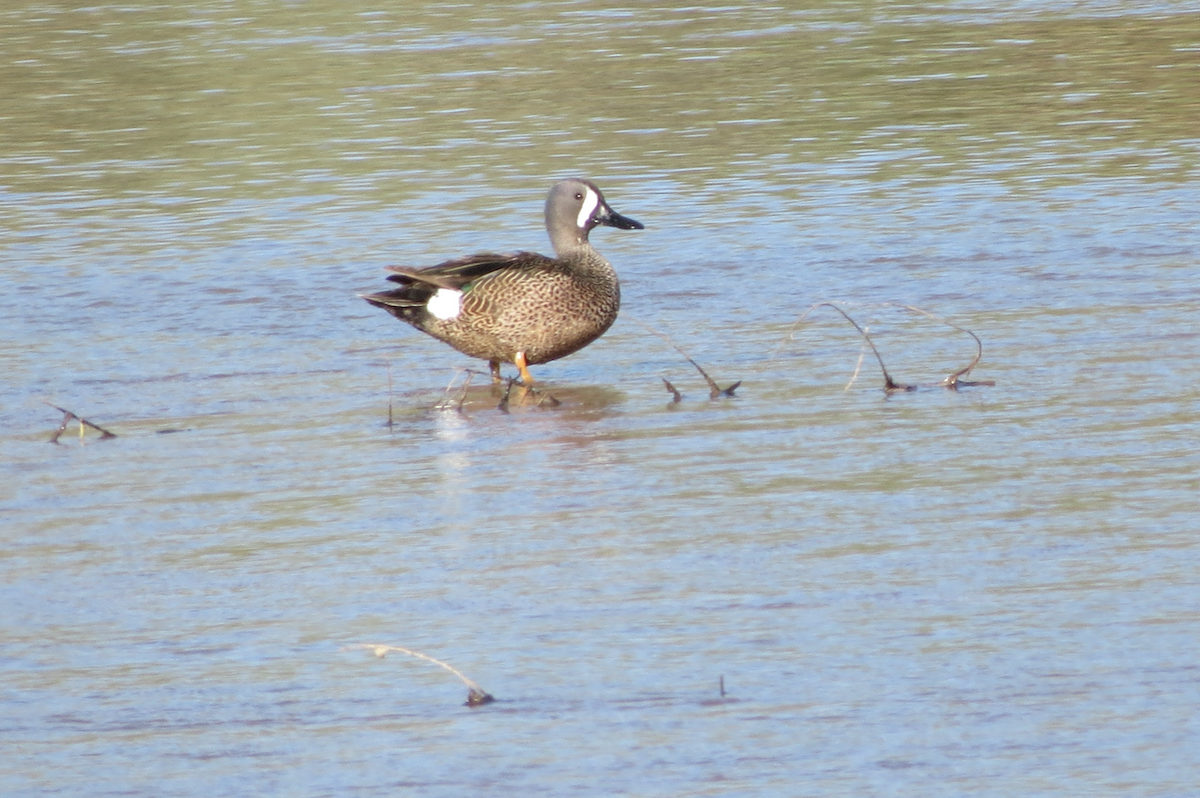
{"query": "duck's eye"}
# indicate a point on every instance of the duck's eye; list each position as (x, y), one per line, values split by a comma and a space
(578, 195)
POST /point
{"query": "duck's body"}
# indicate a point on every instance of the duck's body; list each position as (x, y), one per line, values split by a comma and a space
(522, 308)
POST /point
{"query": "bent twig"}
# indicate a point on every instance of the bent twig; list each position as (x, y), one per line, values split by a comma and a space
(476, 695)
(446, 402)
(952, 381)
(68, 416)
(889, 385)
(714, 391)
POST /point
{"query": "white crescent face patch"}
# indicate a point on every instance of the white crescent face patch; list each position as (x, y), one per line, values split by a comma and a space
(590, 201)
(445, 304)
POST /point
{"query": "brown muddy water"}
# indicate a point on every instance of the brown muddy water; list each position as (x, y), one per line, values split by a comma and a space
(989, 592)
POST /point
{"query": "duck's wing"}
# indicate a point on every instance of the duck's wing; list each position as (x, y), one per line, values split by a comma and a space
(418, 286)
(457, 273)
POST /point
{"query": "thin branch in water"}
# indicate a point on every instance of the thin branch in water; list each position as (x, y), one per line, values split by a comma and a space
(676, 396)
(714, 390)
(390, 413)
(462, 397)
(862, 354)
(889, 385)
(476, 695)
(63, 426)
(68, 416)
(446, 402)
(503, 406)
(543, 398)
(953, 381)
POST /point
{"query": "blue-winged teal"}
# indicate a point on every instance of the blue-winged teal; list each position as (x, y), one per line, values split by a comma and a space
(522, 308)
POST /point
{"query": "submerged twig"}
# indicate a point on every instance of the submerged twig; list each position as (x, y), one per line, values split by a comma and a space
(453, 399)
(889, 385)
(446, 403)
(953, 381)
(714, 390)
(676, 396)
(390, 414)
(503, 406)
(543, 398)
(862, 354)
(68, 416)
(476, 695)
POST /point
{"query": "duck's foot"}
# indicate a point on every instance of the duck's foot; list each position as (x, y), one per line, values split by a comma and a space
(525, 395)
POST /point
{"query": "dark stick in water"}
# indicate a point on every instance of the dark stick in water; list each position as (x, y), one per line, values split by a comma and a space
(68, 416)
(714, 390)
(476, 695)
(952, 381)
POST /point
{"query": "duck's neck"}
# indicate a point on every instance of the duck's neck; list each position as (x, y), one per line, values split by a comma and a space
(583, 259)
(570, 243)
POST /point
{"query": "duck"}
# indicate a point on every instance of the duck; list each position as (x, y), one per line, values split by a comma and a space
(520, 308)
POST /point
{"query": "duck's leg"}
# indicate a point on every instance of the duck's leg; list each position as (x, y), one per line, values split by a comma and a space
(527, 384)
(494, 365)
(522, 367)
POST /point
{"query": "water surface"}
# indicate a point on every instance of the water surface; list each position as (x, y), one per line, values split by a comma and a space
(982, 592)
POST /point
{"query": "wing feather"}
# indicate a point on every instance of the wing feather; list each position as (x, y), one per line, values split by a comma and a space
(456, 274)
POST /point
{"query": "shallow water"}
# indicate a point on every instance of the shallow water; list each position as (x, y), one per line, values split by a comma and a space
(983, 592)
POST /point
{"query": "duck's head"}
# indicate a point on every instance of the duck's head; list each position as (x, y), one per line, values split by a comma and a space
(575, 206)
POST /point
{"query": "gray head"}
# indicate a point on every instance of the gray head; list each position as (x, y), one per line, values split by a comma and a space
(574, 207)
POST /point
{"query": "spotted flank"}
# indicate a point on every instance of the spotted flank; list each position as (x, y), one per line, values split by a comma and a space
(445, 304)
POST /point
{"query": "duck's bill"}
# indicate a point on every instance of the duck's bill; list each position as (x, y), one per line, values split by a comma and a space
(613, 219)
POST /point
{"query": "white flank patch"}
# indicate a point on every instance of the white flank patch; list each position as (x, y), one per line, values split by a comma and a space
(445, 304)
(590, 201)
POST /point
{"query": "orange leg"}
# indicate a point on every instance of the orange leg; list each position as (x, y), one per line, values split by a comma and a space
(495, 367)
(526, 378)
